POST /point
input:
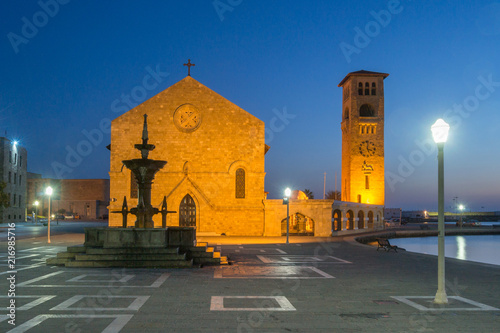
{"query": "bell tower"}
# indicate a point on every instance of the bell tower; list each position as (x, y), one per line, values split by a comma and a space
(363, 137)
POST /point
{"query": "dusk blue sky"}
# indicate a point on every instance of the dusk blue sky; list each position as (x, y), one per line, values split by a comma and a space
(267, 55)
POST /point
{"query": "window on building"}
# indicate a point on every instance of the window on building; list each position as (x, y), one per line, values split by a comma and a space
(366, 110)
(20, 199)
(10, 177)
(367, 182)
(14, 204)
(374, 88)
(360, 89)
(133, 186)
(346, 113)
(10, 156)
(20, 179)
(20, 161)
(367, 89)
(15, 158)
(240, 183)
(15, 178)
(359, 198)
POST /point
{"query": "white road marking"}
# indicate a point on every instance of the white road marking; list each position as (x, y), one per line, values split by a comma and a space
(217, 304)
(39, 300)
(80, 278)
(22, 269)
(437, 307)
(120, 320)
(134, 306)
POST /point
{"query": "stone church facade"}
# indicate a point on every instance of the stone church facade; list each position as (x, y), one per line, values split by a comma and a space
(215, 150)
(214, 178)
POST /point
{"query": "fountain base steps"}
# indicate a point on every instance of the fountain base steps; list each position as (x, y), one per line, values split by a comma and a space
(173, 247)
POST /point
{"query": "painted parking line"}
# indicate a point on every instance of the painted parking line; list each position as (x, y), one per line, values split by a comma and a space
(156, 284)
(120, 320)
(217, 303)
(470, 305)
(28, 256)
(24, 268)
(43, 277)
(270, 272)
(39, 299)
(280, 251)
(137, 303)
(81, 278)
(301, 259)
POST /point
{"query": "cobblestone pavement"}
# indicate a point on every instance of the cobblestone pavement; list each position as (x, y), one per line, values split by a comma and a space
(334, 286)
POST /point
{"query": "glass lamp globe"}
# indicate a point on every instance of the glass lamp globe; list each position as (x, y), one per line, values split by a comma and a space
(440, 131)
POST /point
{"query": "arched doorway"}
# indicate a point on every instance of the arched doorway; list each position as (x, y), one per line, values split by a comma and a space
(300, 225)
(350, 220)
(337, 220)
(187, 212)
(370, 219)
(361, 219)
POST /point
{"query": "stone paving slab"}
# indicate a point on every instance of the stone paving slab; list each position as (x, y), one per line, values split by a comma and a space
(365, 295)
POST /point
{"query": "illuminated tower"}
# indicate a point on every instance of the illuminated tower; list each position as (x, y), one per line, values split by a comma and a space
(363, 137)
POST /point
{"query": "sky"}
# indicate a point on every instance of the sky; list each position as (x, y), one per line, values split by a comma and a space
(66, 65)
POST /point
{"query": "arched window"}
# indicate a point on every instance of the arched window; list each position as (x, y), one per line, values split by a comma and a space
(346, 113)
(366, 110)
(374, 88)
(240, 184)
(367, 89)
(360, 88)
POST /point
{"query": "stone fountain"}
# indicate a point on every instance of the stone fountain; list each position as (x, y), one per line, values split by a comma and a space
(142, 245)
(144, 171)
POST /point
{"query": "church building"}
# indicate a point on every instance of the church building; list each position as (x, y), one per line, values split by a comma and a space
(214, 178)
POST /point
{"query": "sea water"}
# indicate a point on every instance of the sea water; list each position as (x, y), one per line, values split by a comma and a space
(481, 248)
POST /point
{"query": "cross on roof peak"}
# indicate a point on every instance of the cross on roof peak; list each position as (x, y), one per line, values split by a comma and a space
(189, 64)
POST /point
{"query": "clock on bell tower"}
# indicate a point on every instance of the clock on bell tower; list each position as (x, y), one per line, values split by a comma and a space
(363, 137)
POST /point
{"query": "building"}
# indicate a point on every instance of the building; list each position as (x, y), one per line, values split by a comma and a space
(214, 178)
(87, 198)
(393, 213)
(215, 152)
(362, 126)
(13, 162)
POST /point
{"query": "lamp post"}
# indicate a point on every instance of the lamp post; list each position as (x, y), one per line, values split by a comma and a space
(288, 192)
(461, 208)
(48, 191)
(36, 209)
(440, 134)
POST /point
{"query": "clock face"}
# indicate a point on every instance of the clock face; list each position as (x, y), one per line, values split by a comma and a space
(367, 148)
(187, 118)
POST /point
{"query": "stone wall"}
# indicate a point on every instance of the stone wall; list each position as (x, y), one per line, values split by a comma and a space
(204, 138)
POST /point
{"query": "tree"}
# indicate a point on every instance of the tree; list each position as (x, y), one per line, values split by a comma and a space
(4, 198)
(333, 195)
(309, 193)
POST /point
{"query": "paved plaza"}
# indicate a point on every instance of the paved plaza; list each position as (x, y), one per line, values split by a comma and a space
(334, 285)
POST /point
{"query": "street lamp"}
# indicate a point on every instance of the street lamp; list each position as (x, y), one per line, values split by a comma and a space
(288, 192)
(48, 191)
(36, 208)
(440, 131)
(461, 208)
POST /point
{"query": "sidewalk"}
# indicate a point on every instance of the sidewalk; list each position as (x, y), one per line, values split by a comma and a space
(305, 286)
